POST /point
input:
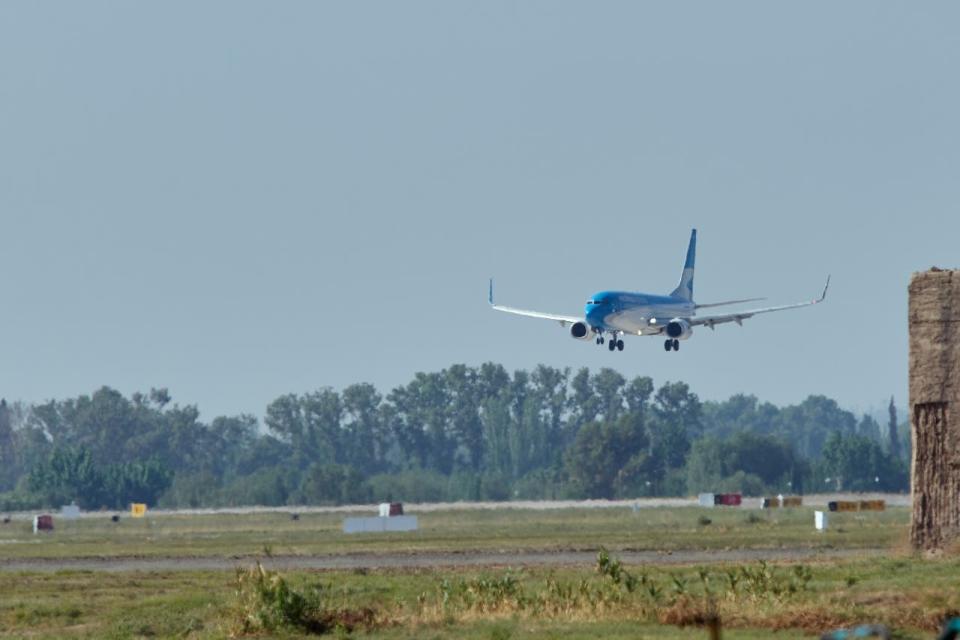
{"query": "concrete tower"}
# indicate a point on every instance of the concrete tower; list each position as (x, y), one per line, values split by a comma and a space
(935, 407)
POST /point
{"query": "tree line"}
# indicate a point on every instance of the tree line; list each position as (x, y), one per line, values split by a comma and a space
(464, 433)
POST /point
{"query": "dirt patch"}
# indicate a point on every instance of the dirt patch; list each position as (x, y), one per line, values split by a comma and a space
(432, 560)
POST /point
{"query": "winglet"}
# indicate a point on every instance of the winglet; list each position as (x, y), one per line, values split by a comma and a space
(823, 296)
(490, 296)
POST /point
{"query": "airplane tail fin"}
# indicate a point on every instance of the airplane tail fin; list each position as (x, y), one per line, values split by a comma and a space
(684, 290)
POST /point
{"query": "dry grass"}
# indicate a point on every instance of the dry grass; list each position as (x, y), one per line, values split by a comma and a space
(911, 595)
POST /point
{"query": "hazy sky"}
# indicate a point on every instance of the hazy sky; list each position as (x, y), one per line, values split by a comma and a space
(238, 200)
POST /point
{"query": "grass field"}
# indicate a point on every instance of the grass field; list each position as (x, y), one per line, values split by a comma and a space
(483, 530)
(752, 600)
(911, 595)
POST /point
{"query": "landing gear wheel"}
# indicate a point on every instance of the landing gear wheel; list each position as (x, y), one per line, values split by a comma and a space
(668, 345)
(597, 340)
(601, 339)
(612, 345)
(619, 345)
(676, 345)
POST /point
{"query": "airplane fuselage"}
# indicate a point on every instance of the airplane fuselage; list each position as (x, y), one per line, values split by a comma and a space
(634, 313)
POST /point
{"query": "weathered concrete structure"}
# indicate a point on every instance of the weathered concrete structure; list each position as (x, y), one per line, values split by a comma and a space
(935, 407)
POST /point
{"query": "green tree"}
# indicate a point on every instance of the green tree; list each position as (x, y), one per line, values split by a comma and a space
(893, 435)
(637, 396)
(421, 424)
(607, 385)
(311, 424)
(705, 465)
(677, 418)
(584, 403)
(230, 441)
(69, 475)
(8, 466)
(549, 386)
(747, 461)
(869, 428)
(604, 456)
(333, 484)
(465, 428)
(740, 412)
(134, 482)
(809, 423)
(72, 475)
(365, 441)
(497, 427)
(857, 463)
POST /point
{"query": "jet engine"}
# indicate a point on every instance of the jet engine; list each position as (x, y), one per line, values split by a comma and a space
(580, 331)
(679, 329)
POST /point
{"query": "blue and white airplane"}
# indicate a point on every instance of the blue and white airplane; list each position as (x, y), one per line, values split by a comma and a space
(620, 313)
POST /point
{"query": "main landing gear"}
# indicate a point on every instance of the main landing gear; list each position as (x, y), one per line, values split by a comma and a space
(613, 344)
(671, 344)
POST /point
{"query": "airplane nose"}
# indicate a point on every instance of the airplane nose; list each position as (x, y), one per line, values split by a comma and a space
(597, 313)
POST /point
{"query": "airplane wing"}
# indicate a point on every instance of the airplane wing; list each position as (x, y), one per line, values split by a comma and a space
(563, 320)
(727, 302)
(739, 317)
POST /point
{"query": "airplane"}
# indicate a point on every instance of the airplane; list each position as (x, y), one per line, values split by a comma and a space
(620, 313)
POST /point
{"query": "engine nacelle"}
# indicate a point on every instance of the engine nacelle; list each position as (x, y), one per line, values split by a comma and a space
(679, 329)
(581, 331)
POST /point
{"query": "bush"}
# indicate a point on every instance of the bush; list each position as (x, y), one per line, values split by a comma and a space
(267, 603)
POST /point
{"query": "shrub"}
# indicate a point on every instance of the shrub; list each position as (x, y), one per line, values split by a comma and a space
(267, 603)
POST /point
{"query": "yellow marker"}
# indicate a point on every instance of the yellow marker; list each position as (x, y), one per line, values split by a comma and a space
(138, 510)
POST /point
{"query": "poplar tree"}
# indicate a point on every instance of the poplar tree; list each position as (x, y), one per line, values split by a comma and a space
(895, 450)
